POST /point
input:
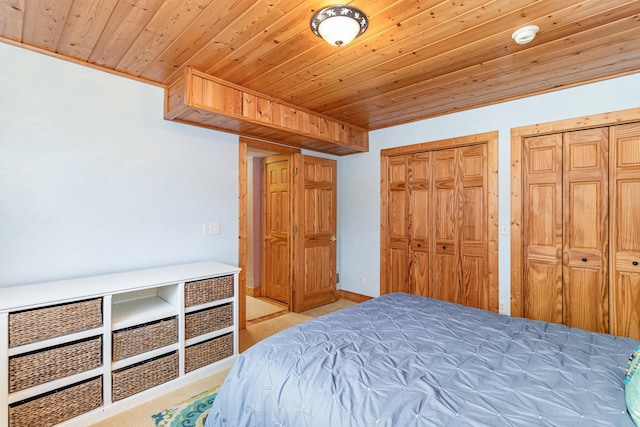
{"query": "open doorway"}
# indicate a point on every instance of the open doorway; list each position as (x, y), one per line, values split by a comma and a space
(253, 303)
(298, 214)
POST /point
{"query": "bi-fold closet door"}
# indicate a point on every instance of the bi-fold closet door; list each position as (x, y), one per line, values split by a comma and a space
(581, 228)
(436, 216)
(566, 228)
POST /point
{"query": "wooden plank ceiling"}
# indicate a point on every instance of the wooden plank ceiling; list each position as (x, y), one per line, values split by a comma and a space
(418, 59)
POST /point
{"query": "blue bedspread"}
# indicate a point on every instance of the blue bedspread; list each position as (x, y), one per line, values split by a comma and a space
(403, 360)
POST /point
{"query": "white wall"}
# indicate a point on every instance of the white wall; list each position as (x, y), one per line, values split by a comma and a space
(93, 180)
(359, 194)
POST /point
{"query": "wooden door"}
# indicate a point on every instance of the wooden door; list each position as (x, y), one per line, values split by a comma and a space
(542, 228)
(625, 230)
(409, 227)
(586, 229)
(473, 227)
(316, 188)
(460, 226)
(276, 250)
(398, 236)
(419, 226)
(438, 217)
(565, 224)
(445, 226)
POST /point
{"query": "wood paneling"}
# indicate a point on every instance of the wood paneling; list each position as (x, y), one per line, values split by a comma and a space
(206, 101)
(416, 60)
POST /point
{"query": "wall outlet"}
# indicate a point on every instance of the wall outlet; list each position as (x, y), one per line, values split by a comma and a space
(502, 308)
(211, 228)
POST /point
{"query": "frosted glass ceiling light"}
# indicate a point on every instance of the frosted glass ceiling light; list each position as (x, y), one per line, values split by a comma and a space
(338, 25)
(526, 34)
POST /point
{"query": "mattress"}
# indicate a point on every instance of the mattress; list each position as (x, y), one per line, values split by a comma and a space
(404, 360)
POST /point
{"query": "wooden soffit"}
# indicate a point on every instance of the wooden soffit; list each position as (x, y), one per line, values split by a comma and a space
(200, 99)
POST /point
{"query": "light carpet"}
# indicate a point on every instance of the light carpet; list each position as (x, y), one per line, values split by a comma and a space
(257, 308)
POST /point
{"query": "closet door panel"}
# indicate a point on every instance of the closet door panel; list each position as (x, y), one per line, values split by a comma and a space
(473, 231)
(543, 279)
(398, 275)
(625, 319)
(446, 267)
(542, 228)
(419, 228)
(445, 275)
(586, 229)
(625, 229)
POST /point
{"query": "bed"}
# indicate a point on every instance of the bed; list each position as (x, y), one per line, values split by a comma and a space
(404, 360)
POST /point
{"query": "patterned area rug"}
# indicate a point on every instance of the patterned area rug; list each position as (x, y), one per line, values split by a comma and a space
(191, 413)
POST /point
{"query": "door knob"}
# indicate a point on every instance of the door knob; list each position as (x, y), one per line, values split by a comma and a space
(333, 238)
(584, 260)
(444, 247)
(267, 237)
(635, 263)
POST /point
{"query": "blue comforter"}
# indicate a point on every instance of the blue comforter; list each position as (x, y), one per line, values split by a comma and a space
(403, 360)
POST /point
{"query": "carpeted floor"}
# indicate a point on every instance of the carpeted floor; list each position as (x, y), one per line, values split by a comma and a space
(262, 307)
(142, 416)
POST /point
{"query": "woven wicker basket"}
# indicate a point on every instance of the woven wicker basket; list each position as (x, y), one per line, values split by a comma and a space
(208, 320)
(26, 327)
(141, 376)
(39, 367)
(203, 291)
(57, 406)
(204, 353)
(140, 339)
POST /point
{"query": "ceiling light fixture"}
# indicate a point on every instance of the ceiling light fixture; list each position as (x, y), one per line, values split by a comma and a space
(526, 34)
(338, 25)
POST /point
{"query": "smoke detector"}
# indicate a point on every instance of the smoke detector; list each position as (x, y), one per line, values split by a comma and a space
(525, 34)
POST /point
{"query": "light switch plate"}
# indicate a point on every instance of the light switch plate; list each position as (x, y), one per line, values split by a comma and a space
(211, 228)
(504, 228)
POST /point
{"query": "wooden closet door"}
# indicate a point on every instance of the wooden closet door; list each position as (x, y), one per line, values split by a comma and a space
(419, 223)
(472, 224)
(398, 215)
(542, 228)
(625, 230)
(438, 211)
(586, 229)
(445, 226)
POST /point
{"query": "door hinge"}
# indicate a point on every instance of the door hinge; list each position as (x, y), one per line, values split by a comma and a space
(295, 228)
(294, 287)
(295, 171)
